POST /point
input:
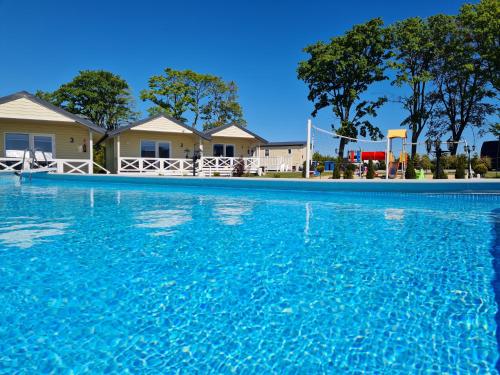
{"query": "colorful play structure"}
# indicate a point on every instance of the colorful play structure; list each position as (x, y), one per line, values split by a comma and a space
(395, 166)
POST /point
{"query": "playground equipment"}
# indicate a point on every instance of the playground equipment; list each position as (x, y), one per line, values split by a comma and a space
(392, 166)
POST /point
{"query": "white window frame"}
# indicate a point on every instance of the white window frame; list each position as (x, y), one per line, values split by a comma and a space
(157, 151)
(31, 143)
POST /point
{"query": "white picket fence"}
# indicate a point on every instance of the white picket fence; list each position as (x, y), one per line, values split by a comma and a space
(72, 166)
(205, 166)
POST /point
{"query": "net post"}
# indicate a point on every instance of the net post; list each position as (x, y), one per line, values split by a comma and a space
(308, 148)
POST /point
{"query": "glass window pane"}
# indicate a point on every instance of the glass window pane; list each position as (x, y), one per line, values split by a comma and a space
(267, 152)
(148, 149)
(229, 151)
(17, 141)
(42, 143)
(218, 150)
(163, 150)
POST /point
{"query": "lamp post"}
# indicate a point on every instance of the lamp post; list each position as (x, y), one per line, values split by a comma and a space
(438, 151)
(196, 156)
(468, 150)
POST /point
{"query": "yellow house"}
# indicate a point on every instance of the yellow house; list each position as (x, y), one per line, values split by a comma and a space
(283, 156)
(58, 139)
(156, 145)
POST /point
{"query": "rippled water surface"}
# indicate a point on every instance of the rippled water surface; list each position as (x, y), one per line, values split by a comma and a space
(116, 278)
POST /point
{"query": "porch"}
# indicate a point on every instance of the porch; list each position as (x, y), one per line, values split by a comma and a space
(72, 166)
(204, 166)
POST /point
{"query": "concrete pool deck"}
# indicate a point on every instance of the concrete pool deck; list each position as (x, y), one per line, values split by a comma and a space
(472, 186)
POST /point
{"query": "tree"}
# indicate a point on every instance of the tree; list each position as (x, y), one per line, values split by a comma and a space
(461, 94)
(410, 173)
(370, 174)
(100, 96)
(482, 21)
(426, 163)
(181, 93)
(223, 107)
(338, 73)
(413, 56)
(336, 169)
(460, 168)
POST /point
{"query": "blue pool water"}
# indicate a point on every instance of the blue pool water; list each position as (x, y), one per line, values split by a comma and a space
(124, 278)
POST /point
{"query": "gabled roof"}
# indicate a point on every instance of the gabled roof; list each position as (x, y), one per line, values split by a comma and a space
(290, 143)
(149, 119)
(35, 99)
(213, 131)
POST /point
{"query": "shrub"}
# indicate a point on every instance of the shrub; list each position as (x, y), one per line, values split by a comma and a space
(425, 162)
(349, 171)
(216, 174)
(276, 175)
(239, 167)
(320, 168)
(336, 169)
(461, 163)
(439, 174)
(381, 165)
(370, 174)
(480, 165)
(410, 173)
(481, 169)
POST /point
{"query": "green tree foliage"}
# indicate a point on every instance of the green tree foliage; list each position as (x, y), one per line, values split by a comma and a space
(461, 166)
(320, 168)
(482, 21)
(370, 174)
(480, 165)
(204, 97)
(461, 95)
(426, 163)
(349, 171)
(337, 168)
(338, 73)
(100, 96)
(414, 53)
(410, 173)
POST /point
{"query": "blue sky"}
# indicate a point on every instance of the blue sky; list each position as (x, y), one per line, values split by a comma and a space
(258, 44)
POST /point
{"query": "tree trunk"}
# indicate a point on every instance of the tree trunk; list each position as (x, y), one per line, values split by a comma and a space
(414, 139)
(342, 145)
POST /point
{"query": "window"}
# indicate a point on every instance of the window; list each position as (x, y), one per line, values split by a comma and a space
(155, 149)
(164, 150)
(42, 143)
(289, 151)
(266, 152)
(218, 150)
(148, 149)
(230, 151)
(17, 143)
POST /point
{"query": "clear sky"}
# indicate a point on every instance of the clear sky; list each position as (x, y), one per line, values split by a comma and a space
(258, 44)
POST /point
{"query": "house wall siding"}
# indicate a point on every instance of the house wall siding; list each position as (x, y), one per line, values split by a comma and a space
(130, 142)
(25, 109)
(298, 153)
(242, 145)
(63, 132)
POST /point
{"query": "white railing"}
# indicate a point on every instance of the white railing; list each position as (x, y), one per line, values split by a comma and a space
(276, 163)
(156, 166)
(10, 164)
(73, 166)
(226, 166)
(207, 165)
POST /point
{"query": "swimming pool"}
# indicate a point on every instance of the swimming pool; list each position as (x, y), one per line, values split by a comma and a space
(108, 277)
